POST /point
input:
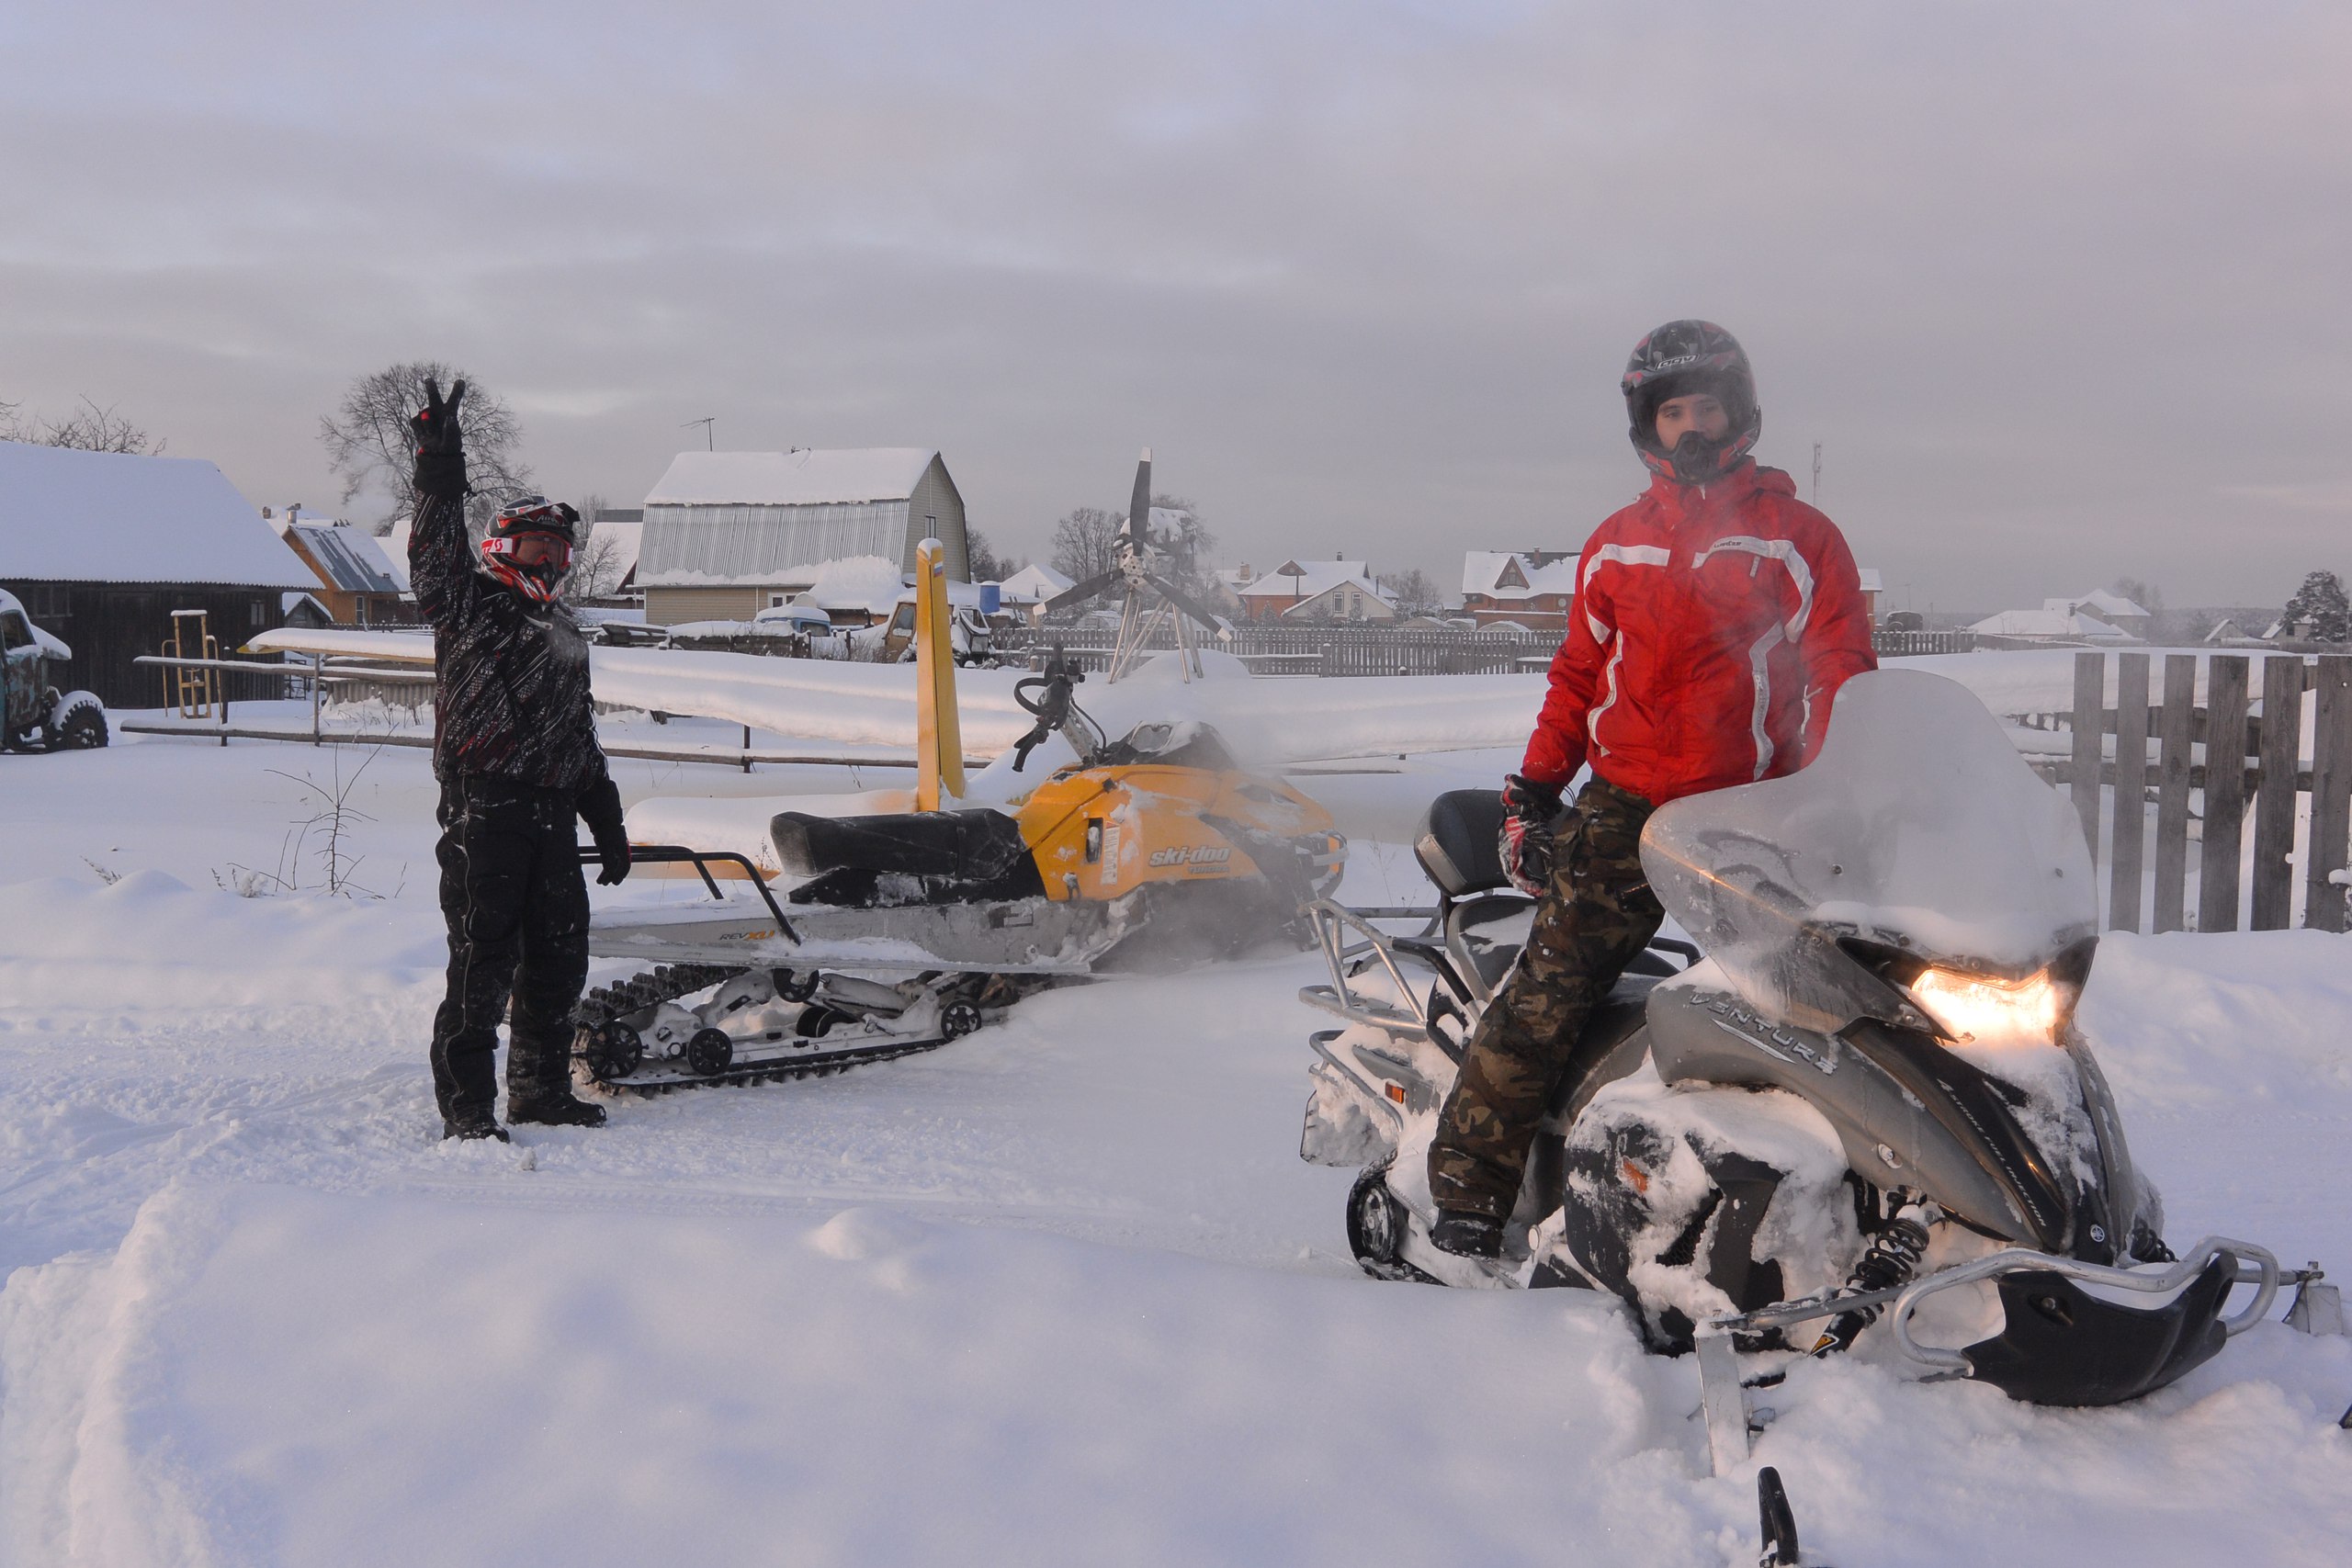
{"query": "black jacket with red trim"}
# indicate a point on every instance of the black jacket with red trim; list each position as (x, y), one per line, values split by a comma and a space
(1710, 628)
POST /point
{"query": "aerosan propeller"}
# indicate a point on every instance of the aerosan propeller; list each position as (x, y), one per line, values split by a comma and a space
(1136, 564)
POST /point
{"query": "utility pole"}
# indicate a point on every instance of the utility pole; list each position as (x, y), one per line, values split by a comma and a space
(1816, 473)
(710, 443)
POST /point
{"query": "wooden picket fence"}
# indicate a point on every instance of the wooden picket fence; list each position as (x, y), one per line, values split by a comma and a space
(2245, 760)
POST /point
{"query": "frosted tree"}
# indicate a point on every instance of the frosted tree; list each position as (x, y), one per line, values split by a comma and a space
(2321, 606)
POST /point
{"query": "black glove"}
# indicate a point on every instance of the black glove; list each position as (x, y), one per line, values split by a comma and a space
(600, 807)
(440, 442)
(1530, 809)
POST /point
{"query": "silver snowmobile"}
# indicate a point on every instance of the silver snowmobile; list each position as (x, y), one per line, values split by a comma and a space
(1869, 1097)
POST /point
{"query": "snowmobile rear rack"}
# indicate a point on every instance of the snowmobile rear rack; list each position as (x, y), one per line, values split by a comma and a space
(679, 855)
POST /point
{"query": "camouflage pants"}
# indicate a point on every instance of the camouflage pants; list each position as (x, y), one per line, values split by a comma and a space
(1598, 914)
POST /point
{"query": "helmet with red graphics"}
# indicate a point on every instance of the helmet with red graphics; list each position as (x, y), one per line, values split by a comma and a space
(1674, 361)
(528, 547)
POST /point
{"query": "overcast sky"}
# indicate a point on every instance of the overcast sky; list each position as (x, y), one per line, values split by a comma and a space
(2061, 289)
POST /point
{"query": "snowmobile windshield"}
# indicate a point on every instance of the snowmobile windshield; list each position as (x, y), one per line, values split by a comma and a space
(1918, 828)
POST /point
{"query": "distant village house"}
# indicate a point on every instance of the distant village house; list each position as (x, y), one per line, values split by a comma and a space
(730, 534)
(102, 547)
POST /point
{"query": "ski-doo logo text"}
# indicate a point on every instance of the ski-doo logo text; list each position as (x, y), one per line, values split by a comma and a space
(1193, 854)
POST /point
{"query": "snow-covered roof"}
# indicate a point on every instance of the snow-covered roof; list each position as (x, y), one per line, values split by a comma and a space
(1033, 583)
(2099, 599)
(2052, 624)
(1871, 583)
(72, 516)
(353, 560)
(872, 583)
(1314, 576)
(1513, 574)
(806, 478)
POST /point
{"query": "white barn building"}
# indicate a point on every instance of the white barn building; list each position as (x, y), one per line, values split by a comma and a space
(730, 534)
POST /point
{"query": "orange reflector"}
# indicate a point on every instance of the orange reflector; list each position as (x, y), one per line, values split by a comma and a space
(1634, 1175)
(1396, 1093)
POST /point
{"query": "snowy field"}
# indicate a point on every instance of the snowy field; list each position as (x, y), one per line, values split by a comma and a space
(1061, 1293)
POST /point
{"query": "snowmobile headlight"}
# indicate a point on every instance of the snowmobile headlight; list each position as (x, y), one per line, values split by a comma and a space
(1979, 1010)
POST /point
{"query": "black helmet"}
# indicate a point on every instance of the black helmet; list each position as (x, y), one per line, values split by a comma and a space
(1676, 359)
(533, 515)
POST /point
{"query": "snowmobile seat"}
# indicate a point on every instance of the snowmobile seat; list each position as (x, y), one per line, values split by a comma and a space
(1457, 843)
(927, 854)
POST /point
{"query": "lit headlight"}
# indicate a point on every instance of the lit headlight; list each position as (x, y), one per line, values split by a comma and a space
(1991, 1012)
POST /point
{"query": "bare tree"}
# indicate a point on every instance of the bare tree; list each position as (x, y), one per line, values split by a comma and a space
(1086, 542)
(90, 428)
(1415, 591)
(987, 565)
(599, 565)
(367, 438)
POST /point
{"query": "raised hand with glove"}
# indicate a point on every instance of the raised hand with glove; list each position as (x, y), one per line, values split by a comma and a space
(440, 440)
(1530, 813)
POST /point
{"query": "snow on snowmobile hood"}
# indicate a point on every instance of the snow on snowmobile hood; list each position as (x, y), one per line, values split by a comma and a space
(1918, 826)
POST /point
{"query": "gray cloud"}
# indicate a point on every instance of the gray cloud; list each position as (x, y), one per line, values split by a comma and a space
(2057, 286)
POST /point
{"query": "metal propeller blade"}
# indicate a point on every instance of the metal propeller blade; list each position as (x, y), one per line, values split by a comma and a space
(1139, 504)
(1187, 604)
(1086, 590)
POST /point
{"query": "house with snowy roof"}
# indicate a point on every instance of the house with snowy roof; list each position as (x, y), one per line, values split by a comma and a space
(1315, 590)
(359, 583)
(103, 547)
(730, 534)
(1530, 589)
(1026, 590)
(2113, 608)
(2057, 626)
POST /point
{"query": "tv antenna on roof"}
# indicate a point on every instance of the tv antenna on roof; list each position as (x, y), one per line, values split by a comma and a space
(709, 443)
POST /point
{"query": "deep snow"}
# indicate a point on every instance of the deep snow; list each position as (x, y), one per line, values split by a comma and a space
(1061, 1293)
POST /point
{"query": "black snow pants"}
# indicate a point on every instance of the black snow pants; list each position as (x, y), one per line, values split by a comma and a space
(517, 911)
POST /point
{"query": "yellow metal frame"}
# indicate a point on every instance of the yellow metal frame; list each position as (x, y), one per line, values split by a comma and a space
(194, 691)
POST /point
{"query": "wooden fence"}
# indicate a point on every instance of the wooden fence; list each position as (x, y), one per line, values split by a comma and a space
(1288, 648)
(2210, 763)
(1321, 649)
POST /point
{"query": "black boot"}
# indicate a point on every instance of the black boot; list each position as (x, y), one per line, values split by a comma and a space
(1467, 1235)
(473, 1123)
(557, 1110)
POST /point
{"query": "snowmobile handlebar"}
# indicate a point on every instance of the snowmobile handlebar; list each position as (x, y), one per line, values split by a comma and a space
(679, 854)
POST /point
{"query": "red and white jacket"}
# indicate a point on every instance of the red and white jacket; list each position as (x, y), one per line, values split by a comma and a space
(1711, 626)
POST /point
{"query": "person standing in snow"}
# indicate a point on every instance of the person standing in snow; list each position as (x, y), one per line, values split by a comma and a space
(1712, 621)
(515, 748)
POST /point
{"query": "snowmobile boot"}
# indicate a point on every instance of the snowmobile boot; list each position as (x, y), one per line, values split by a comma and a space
(554, 1111)
(1467, 1235)
(472, 1124)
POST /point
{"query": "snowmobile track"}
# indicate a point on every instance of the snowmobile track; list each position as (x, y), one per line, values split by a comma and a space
(608, 1004)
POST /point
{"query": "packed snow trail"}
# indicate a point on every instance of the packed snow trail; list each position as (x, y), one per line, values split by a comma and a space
(1062, 1293)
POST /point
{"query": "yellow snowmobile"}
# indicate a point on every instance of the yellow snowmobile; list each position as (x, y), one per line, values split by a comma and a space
(911, 928)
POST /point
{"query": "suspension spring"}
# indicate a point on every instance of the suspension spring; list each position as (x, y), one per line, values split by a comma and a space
(1893, 1256)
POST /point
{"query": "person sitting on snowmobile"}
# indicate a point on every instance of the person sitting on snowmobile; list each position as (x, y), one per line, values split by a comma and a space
(515, 748)
(1712, 621)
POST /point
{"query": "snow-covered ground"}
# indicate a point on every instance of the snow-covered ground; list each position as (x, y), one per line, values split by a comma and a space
(1061, 1292)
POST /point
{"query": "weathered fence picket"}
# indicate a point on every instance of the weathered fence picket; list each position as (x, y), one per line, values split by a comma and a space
(2329, 848)
(2173, 729)
(2217, 860)
(2274, 795)
(2090, 701)
(2131, 788)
